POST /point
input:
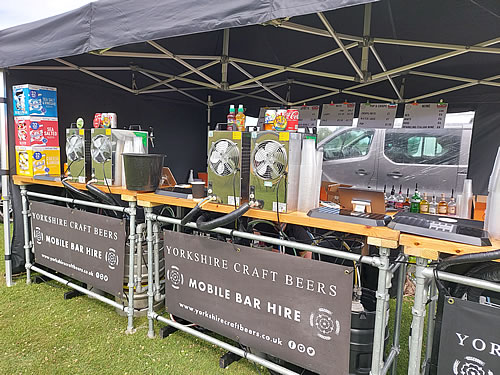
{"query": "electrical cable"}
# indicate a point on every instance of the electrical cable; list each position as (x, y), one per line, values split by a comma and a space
(106, 182)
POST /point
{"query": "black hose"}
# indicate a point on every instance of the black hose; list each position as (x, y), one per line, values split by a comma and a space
(77, 192)
(468, 258)
(190, 216)
(100, 195)
(204, 225)
(490, 274)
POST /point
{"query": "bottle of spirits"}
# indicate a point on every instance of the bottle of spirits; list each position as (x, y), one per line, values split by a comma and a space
(424, 205)
(442, 206)
(386, 197)
(452, 205)
(400, 199)
(406, 203)
(433, 206)
(415, 202)
(391, 201)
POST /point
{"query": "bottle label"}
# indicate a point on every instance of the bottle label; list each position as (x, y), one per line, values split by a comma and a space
(424, 208)
(452, 210)
(442, 210)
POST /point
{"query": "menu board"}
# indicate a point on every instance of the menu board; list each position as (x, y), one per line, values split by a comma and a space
(377, 115)
(425, 115)
(337, 114)
(262, 115)
(308, 116)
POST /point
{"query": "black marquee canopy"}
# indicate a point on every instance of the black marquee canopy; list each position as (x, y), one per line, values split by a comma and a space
(167, 63)
(207, 54)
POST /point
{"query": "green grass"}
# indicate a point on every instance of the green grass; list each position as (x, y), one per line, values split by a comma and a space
(41, 333)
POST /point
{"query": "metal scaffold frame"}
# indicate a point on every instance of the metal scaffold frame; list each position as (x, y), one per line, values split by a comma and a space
(386, 269)
(131, 210)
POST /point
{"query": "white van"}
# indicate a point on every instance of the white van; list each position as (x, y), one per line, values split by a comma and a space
(436, 160)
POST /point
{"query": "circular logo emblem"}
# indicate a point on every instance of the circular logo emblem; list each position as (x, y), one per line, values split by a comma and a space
(324, 323)
(471, 366)
(175, 277)
(35, 125)
(111, 258)
(37, 155)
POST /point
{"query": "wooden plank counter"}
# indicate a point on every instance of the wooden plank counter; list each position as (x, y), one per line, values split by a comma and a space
(378, 236)
(126, 195)
(429, 248)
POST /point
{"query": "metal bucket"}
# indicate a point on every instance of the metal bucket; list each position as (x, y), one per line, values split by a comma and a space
(143, 171)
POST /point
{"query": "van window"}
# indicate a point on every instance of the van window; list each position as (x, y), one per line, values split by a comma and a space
(349, 144)
(422, 148)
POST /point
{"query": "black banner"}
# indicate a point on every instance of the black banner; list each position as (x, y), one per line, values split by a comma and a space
(470, 339)
(293, 308)
(85, 246)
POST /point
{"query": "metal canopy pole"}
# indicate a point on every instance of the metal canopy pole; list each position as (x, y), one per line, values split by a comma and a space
(333, 34)
(182, 62)
(365, 52)
(454, 88)
(259, 82)
(49, 67)
(185, 74)
(4, 172)
(334, 91)
(98, 76)
(382, 65)
(454, 78)
(225, 58)
(401, 42)
(283, 68)
(154, 55)
(251, 94)
(296, 65)
(174, 88)
(433, 59)
(174, 77)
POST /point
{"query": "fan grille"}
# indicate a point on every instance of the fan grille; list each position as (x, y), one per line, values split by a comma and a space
(101, 148)
(75, 148)
(224, 157)
(269, 160)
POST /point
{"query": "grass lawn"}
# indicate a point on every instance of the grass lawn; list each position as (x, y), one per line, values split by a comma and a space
(41, 333)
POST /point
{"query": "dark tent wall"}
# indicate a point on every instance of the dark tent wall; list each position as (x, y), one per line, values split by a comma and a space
(179, 127)
(485, 144)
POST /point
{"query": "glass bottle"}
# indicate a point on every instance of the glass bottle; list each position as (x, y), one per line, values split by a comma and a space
(400, 199)
(433, 206)
(406, 203)
(386, 197)
(391, 201)
(424, 205)
(452, 205)
(415, 202)
(442, 206)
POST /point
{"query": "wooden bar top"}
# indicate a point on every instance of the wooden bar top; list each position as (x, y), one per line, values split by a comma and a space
(430, 248)
(127, 195)
(423, 247)
(299, 218)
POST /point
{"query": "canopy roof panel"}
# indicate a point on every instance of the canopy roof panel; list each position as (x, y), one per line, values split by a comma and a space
(111, 23)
